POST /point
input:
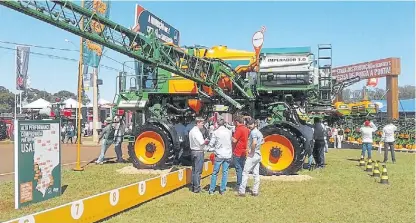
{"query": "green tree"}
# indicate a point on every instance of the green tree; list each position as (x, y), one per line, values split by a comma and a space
(6, 100)
(407, 92)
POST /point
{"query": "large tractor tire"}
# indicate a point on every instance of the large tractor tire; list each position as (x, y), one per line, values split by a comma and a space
(282, 153)
(152, 149)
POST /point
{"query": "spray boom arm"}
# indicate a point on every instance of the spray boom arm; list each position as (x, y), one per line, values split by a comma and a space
(67, 15)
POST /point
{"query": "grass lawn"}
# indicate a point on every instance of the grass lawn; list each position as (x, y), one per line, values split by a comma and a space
(343, 192)
(93, 180)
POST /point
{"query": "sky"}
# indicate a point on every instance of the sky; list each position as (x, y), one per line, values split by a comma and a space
(358, 32)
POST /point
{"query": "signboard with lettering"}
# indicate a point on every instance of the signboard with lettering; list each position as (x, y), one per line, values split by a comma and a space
(145, 22)
(37, 154)
(372, 69)
(284, 61)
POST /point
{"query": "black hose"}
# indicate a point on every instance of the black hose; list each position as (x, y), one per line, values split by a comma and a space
(182, 110)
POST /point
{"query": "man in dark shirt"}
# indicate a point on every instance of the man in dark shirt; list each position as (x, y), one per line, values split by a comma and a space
(319, 135)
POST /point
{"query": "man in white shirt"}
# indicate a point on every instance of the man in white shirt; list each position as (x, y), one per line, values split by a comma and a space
(220, 144)
(340, 137)
(197, 146)
(335, 136)
(328, 131)
(367, 137)
(388, 138)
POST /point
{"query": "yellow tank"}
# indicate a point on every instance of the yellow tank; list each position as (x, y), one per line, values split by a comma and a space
(342, 108)
(241, 61)
(369, 107)
(357, 108)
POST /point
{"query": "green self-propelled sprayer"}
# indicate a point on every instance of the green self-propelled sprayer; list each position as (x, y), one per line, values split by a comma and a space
(174, 84)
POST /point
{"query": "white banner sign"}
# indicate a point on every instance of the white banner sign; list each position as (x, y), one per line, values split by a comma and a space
(284, 60)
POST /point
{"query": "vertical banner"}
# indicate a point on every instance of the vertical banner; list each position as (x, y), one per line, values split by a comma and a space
(93, 51)
(22, 63)
(37, 164)
(86, 78)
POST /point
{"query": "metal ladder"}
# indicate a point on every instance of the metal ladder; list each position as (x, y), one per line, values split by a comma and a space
(325, 72)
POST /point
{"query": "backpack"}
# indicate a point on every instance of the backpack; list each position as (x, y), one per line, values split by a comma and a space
(112, 133)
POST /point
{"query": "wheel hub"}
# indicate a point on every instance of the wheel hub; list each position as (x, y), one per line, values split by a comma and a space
(275, 152)
(150, 147)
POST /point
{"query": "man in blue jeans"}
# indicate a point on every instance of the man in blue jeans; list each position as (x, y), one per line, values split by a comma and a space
(252, 164)
(197, 145)
(367, 137)
(107, 138)
(220, 144)
(240, 139)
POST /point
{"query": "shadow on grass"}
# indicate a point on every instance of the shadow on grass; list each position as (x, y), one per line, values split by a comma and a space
(355, 160)
(63, 189)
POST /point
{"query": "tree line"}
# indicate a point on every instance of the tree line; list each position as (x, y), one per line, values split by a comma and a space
(7, 98)
(405, 92)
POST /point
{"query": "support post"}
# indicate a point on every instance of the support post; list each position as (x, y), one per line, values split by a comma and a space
(95, 106)
(80, 79)
(20, 102)
(392, 83)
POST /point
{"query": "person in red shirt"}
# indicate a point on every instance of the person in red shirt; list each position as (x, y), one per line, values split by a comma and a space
(240, 139)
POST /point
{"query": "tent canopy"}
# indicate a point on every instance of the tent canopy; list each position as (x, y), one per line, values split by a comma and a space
(101, 102)
(71, 103)
(405, 105)
(38, 104)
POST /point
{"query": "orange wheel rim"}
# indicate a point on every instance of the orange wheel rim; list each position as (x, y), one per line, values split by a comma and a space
(277, 152)
(149, 147)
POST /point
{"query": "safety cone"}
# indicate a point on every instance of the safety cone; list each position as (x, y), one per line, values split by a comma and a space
(384, 177)
(362, 162)
(376, 171)
(369, 166)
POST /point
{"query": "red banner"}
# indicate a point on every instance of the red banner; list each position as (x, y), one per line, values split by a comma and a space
(366, 70)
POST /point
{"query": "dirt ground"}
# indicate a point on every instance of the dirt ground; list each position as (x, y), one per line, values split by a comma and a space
(68, 157)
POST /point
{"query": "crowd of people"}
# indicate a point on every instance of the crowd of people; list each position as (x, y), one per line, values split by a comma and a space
(387, 137)
(241, 147)
(68, 132)
(367, 131)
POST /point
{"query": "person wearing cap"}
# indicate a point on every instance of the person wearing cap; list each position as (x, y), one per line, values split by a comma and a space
(319, 136)
(108, 135)
(197, 145)
(252, 163)
(367, 137)
(307, 129)
(220, 144)
(118, 138)
(388, 138)
(240, 139)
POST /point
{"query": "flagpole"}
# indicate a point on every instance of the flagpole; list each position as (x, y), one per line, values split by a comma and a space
(15, 106)
(20, 102)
